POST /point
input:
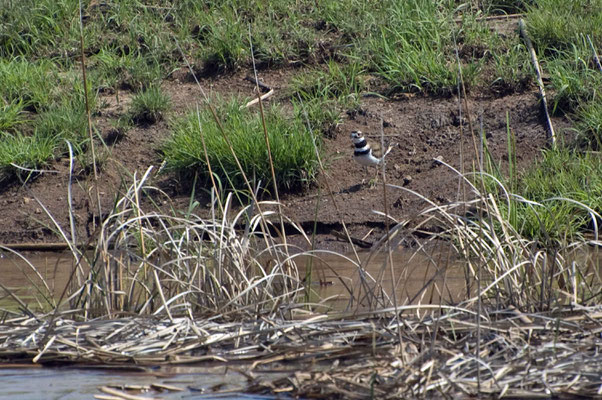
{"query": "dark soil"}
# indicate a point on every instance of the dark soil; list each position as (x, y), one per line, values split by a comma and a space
(420, 129)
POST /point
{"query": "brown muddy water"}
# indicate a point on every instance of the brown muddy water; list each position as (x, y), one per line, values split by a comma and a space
(35, 278)
(433, 277)
(418, 278)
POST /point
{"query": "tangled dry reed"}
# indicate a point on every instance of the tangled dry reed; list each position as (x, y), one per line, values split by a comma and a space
(331, 357)
(167, 289)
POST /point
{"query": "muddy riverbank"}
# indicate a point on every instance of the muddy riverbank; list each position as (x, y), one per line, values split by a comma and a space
(421, 131)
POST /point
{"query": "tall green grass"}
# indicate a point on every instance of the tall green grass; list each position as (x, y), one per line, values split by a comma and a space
(504, 6)
(589, 124)
(116, 70)
(12, 115)
(38, 29)
(215, 33)
(341, 82)
(321, 94)
(408, 50)
(65, 121)
(43, 107)
(573, 77)
(409, 44)
(556, 25)
(560, 175)
(293, 147)
(412, 45)
(31, 83)
(561, 31)
(563, 185)
(554, 199)
(21, 153)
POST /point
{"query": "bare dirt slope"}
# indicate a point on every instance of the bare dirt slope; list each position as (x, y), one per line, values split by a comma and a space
(420, 129)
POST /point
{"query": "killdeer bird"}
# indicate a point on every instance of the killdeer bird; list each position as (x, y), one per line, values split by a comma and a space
(367, 154)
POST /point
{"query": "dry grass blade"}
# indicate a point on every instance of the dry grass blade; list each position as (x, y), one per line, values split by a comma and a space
(150, 262)
(121, 394)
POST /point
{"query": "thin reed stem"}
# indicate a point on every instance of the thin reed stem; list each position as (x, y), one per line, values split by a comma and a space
(88, 112)
(267, 144)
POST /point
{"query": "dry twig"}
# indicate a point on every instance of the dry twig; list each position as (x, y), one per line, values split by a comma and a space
(542, 92)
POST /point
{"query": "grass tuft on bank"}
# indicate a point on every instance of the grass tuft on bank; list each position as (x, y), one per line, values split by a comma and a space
(41, 108)
(149, 106)
(293, 147)
(556, 24)
(19, 154)
(556, 199)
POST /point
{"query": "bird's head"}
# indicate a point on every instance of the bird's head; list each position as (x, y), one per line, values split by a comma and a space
(356, 135)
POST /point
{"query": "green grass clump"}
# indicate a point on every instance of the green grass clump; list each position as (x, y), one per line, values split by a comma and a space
(18, 150)
(42, 107)
(412, 45)
(573, 77)
(149, 106)
(223, 38)
(11, 115)
(31, 28)
(504, 6)
(113, 71)
(66, 121)
(556, 24)
(409, 49)
(279, 32)
(31, 83)
(560, 187)
(589, 124)
(564, 33)
(512, 69)
(320, 114)
(556, 198)
(341, 82)
(320, 95)
(33, 143)
(292, 147)
(565, 174)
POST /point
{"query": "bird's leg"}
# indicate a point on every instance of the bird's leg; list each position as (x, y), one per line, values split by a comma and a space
(363, 178)
(375, 179)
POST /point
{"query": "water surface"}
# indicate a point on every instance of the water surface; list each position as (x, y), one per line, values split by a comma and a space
(81, 383)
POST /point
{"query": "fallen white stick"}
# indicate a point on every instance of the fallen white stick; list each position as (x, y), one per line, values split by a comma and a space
(595, 54)
(256, 100)
(544, 101)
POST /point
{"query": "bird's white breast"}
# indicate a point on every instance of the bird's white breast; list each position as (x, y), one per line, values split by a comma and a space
(366, 159)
